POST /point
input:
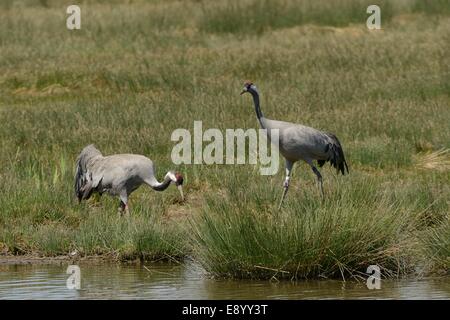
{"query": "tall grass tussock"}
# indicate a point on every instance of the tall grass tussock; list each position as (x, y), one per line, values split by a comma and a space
(360, 224)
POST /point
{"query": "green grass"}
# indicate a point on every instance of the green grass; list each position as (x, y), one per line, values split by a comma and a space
(436, 244)
(137, 71)
(259, 16)
(361, 223)
(432, 7)
(41, 221)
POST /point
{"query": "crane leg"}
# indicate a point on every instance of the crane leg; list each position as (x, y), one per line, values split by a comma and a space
(289, 165)
(319, 179)
(123, 208)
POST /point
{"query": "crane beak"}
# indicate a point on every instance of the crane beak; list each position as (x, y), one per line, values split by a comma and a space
(180, 188)
(243, 91)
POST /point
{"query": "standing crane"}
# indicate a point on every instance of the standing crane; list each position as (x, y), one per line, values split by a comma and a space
(118, 175)
(298, 142)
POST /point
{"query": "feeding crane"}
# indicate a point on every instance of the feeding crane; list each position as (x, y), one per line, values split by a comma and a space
(299, 142)
(118, 175)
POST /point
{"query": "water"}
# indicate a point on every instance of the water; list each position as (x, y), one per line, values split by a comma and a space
(162, 281)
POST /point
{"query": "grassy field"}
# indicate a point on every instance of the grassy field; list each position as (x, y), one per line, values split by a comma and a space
(137, 70)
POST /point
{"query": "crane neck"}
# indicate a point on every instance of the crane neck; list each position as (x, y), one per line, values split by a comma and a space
(258, 111)
(160, 186)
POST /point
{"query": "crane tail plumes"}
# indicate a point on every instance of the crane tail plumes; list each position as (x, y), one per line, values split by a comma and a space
(83, 177)
(336, 158)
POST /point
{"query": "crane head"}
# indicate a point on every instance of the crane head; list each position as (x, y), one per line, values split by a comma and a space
(248, 86)
(179, 179)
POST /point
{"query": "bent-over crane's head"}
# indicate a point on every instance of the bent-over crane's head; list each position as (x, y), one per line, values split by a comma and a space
(249, 87)
(177, 179)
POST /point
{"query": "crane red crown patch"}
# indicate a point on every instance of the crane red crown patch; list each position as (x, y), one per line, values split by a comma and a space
(179, 178)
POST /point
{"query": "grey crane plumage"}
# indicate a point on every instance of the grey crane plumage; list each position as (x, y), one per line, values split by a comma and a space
(298, 142)
(118, 175)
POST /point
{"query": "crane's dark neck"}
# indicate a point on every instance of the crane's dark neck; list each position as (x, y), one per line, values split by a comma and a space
(160, 186)
(255, 96)
(259, 114)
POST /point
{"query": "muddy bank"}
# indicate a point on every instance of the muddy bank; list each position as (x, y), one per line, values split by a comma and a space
(58, 260)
